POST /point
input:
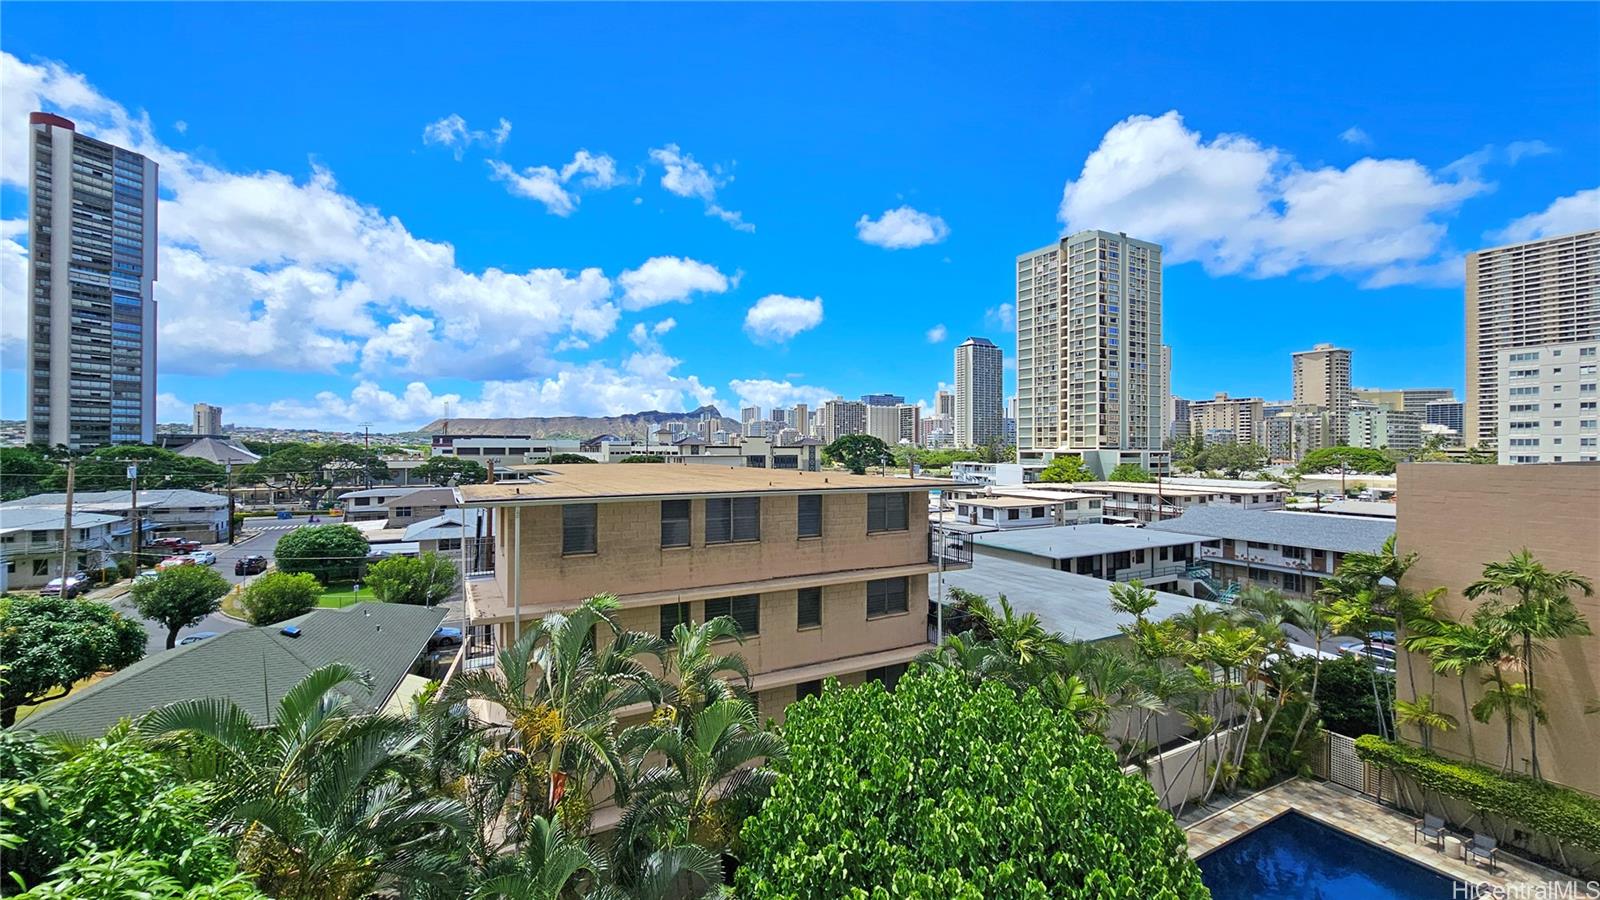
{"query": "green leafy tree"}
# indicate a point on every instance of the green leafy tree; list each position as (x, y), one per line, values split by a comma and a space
(856, 452)
(1230, 458)
(563, 459)
(1345, 697)
(1351, 459)
(427, 579)
(277, 596)
(330, 552)
(25, 471)
(1130, 472)
(307, 471)
(943, 788)
(106, 469)
(643, 458)
(180, 597)
(1066, 470)
(51, 643)
(443, 470)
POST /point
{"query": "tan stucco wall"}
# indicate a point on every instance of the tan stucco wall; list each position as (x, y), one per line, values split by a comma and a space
(1457, 517)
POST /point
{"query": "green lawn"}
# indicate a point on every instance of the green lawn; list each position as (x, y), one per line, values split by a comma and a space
(340, 595)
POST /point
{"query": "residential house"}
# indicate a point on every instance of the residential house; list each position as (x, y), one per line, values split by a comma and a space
(30, 544)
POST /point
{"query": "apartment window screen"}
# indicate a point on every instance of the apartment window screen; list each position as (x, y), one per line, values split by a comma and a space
(673, 615)
(886, 596)
(810, 515)
(745, 610)
(886, 512)
(733, 519)
(674, 523)
(577, 528)
(810, 608)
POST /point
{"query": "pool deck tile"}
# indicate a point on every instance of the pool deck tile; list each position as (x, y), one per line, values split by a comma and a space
(1363, 817)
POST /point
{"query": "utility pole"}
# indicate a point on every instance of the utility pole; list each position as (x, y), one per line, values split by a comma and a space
(66, 531)
(138, 526)
(366, 435)
(230, 502)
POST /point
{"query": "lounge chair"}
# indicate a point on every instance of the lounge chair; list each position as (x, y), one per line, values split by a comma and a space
(1430, 828)
(1482, 847)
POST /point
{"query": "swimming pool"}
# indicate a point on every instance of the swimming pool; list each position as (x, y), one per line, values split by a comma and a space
(1295, 856)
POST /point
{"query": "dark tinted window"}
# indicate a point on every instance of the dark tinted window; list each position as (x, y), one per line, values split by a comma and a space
(807, 689)
(885, 596)
(672, 615)
(577, 528)
(745, 610)
(733, 519)
(886, 512)
(674, 523)
(810, 608)
(888, 676)
(810, 515)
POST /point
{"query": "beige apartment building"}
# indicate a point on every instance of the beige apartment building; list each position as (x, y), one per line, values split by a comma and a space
(1322, 378)
(826, 573)
(1456, 518)
(1524, 295)
(1241, 420)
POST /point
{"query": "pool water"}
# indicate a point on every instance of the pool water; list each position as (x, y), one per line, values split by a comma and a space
(1294, 856)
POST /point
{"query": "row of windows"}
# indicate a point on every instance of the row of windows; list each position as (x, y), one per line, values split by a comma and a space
(885, 597)
(729, 520)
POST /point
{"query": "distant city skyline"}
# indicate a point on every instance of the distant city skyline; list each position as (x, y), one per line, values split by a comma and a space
(444, 237)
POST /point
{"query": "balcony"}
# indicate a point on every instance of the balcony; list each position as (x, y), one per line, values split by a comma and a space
(1151, 573)
(952, 548)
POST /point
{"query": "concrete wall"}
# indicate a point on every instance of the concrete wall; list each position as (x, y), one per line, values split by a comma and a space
(1456, 518)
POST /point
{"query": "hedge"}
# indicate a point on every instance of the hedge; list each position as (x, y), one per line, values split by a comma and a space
(1556, 812)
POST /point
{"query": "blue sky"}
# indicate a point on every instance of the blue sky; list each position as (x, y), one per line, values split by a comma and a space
(779, 203)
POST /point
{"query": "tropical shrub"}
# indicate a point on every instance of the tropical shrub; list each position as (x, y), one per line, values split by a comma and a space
(276, 596)
(48, 644)
(1557, 812)
(423, 580)
(950, 788)
(329, 552)
(180, 597)
(1344, 695)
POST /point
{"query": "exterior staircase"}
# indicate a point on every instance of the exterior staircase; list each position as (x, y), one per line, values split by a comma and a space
(1222, 593)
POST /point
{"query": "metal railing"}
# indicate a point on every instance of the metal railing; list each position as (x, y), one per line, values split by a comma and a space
(1146, 573)
(954, 548)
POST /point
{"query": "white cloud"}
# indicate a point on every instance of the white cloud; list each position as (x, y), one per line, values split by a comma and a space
(683, 175)
(663, 326)
(264, 270)
(936, 334)
(181, 126)
(901, 229)
(1003, 317)
(452, 131)
(1565, 215)
(776, 318)
(769, 394)
(171, 409)
(1516, 151)
(1357, 136)
(553, 188)
(1240, 207)
(13, 295)
(669, 279)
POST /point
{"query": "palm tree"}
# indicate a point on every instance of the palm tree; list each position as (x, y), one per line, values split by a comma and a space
(550, 865)
(1510, 700)
(1543, 610)
(696, 673)
(318, 796)
(561, 690)
(694, 781)
(1421, 713)
(1353, 611)
(1311, 617)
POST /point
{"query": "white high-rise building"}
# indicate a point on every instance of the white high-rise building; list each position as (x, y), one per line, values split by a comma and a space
(1518, 296)
(1322, 378)
(1549, 406)
(910, 424)
(840, 417)
(1224, 419)
(883, 423)
(92, 272)
(1089, 361)
(980, 376)
(207, 419)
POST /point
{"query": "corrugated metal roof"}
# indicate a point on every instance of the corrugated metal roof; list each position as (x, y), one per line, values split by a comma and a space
(1322, 531)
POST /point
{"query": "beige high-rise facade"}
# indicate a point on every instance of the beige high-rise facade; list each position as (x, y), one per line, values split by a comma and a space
(1322, 378)
(1089, 354)
(841, 417)
(1242, 419)
(1524, 295)
(980, 404)
(207, 419)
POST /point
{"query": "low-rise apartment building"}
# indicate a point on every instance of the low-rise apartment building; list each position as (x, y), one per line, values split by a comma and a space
(1153, 501)
(824, 572)
(369, 505)
(415, 506)
(1106, 552)
(1549, 407)
(30, 544)
(1288, 551)
(169, 512)
(502, 450)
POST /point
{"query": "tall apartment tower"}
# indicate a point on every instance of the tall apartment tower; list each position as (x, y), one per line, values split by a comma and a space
(1524, 295)
(207, 419)
(1166, 391)
(92, 272)
(980, 407)
(801, 420)
(1322, 378)
(1241, 420)
(1089, 344)
(840, 417)
(944, 404)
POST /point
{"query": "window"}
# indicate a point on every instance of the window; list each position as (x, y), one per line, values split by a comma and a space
(730, 519)
(1294, 552)
(886, 596)
(755, 462)
(809, 608)
(807, 689)
(1013, 514)
(886, 512)
(1294, 584)
(673, 615)
(744, 610)
(402, 511)
(786, 462)
(449, 544)
(360, 501)
(41, 567)
(888, 676)
(577, 528)
(810, 524)
(674, 523)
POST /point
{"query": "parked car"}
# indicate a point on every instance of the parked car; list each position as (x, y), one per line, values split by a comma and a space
(445, 637)
(75, 585)
(249, 565)
(173, 562)
(204, 557)
(146, 575)
(1382, 654)
(195, 638)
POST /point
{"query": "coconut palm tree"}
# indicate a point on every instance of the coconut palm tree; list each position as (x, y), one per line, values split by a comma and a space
(1421, 713)
(319, 796)
(1542, 610)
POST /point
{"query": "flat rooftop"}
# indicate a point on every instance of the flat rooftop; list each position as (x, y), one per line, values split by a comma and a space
(593, 482)
(1077, 606)
(1008, 502)
(1321, 531)
(1069, 541)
